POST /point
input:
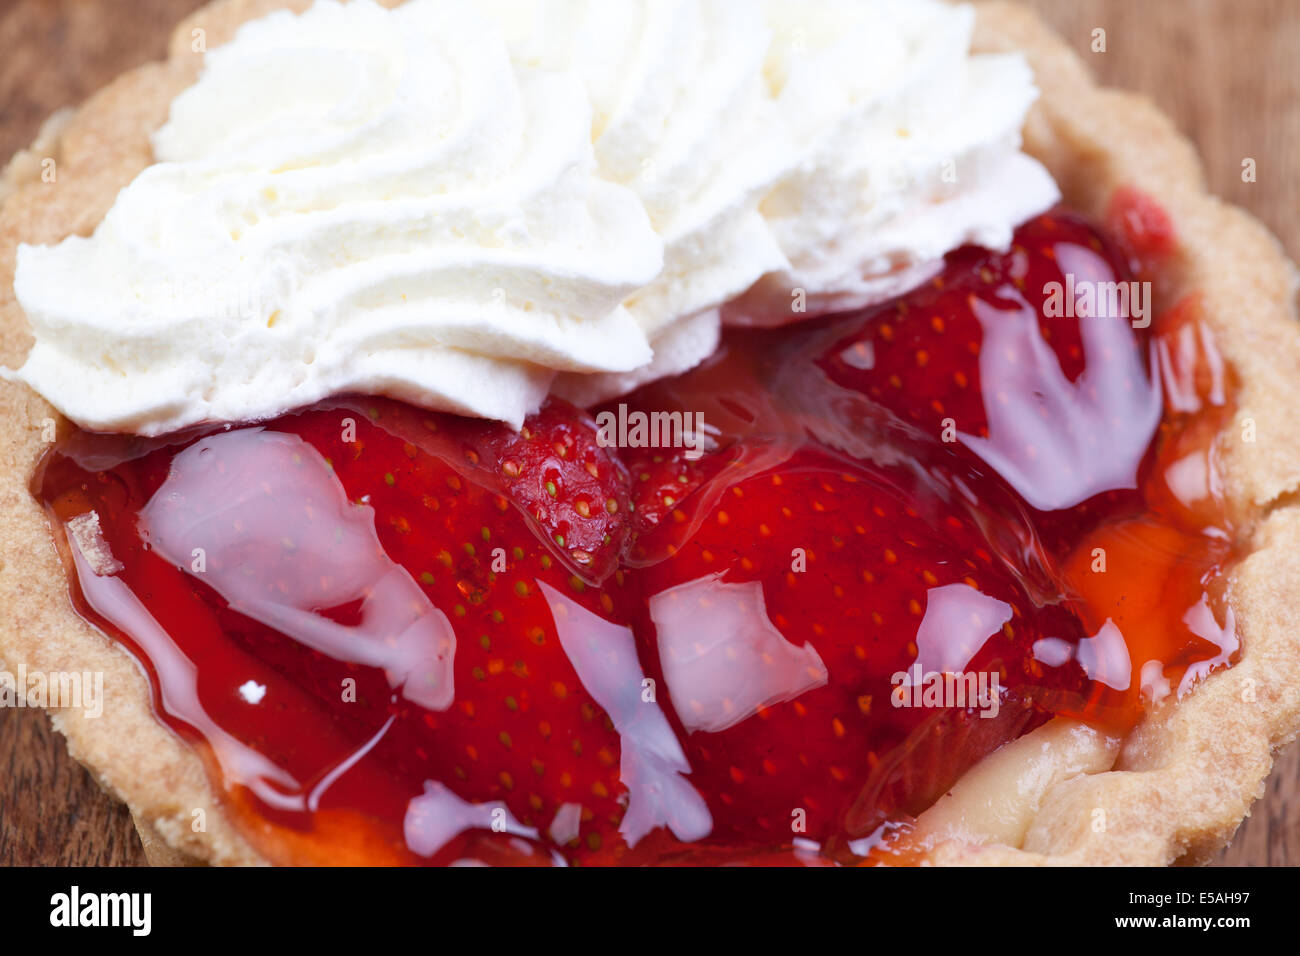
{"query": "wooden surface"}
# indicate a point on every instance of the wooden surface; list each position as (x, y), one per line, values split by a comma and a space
(1225, 70)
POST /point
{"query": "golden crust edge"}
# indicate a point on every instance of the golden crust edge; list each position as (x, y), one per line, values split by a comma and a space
(1093, 139)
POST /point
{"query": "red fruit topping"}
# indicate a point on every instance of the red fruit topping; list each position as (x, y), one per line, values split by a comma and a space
(396, 636)
(1184, 481)
(385, 621)
(1130, 574)
(1028, 360)
(1142, 228)
(795, 601)
(555, 470)
(663, 478)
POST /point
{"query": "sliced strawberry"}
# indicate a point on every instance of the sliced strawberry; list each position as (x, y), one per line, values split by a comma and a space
(573, 492)
(486, 524)
(1019, 360)
(663, 479)
(484, 518)
(781, 602)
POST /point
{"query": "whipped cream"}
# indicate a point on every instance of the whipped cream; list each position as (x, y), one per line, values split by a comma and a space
(466, 205)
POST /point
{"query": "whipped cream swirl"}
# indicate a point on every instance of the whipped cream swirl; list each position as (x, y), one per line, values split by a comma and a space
(465, 205)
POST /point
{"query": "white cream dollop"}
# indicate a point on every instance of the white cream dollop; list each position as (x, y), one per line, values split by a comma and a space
(468, 204)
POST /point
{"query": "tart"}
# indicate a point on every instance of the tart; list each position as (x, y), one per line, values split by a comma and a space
(1106, 497)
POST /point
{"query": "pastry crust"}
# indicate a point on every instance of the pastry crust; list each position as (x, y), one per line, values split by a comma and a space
(1174, 790)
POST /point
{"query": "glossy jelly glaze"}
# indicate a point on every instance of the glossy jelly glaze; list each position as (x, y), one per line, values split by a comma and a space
(402, 637)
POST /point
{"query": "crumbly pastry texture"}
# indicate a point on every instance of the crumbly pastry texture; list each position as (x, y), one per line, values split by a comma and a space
(1173, 790)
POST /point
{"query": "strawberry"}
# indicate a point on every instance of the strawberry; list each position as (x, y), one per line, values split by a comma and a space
(664, 478)
(722, 397)
(781, 601)
(505, 535)
(555, 471)
(487, 519)
(1004, 359)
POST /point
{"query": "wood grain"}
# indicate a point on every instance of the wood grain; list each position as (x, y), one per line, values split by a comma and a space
(1224, 70)
(52, 812)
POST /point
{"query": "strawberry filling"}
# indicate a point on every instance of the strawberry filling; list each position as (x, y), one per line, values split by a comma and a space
(763, 611)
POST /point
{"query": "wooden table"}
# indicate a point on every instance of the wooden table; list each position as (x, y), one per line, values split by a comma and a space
(1225, 70)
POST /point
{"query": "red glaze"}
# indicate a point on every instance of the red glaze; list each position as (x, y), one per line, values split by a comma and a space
(1024, 364)
(407, 637)
(320, 523)
(776, 602)
(1142, 229)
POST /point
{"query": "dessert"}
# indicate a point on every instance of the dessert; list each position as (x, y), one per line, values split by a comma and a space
(972, 546)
